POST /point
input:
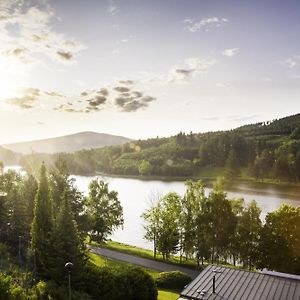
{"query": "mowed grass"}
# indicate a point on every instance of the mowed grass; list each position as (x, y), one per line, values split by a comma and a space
(111, 263)
(101, 261)
(167, 295)
(128, 249)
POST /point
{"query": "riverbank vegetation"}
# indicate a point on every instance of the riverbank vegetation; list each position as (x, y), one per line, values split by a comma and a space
(217, 229)
(268, 151)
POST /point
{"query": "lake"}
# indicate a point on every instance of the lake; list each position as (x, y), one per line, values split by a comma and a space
(135, 196)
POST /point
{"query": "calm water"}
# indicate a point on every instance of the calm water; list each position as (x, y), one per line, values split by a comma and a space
(135, 196)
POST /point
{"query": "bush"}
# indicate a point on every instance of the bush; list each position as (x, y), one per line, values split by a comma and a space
(9, 290)
(99, 283)
(135, 284)
(116, 284)
(172, 280)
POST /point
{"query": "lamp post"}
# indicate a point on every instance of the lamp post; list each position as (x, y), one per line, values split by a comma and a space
(69, 267)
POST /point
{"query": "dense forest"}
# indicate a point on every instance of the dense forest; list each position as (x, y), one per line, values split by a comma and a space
(269, 150)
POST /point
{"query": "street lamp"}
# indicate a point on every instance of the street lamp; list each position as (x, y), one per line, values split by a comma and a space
(69, 267)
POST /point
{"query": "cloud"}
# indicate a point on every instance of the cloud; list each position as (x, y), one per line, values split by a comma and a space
(292, 62)
(104, 92)
(29, 98)
(35, 36)
(65, 56)
(137, 94)
(121, 89)
(126, 82)
(112, 8)
(53, 94)
(230, 52)
(98, 100)
(90, 100)
(131, 103)
(192, 67)
(205, 24)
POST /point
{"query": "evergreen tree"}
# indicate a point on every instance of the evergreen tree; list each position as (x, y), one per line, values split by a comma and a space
(28, 190)
(42, 225)
(65, 243)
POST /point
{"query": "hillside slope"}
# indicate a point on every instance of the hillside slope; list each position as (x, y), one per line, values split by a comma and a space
(68, 143)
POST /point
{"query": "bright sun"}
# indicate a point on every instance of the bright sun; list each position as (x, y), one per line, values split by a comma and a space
(12, 77)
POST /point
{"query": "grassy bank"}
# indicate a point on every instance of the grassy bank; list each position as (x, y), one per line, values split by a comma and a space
(141, 252)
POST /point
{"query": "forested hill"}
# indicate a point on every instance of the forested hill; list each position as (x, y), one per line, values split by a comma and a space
(9, 157)
(263, 150)
(68, 143)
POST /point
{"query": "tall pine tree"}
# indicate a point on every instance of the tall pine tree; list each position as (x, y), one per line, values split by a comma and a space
(66, 243)
(42, 226)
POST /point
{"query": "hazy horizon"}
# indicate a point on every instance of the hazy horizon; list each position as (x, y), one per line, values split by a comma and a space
(142, 69)
(108, 133)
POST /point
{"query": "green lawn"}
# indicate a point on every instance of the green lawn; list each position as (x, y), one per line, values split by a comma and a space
(128, 249)
(167, 295)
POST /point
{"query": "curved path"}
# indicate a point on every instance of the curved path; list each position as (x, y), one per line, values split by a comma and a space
(143, 262)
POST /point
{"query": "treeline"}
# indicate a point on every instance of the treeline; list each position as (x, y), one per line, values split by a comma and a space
(262, 151)
(43, 225)
(217, 229)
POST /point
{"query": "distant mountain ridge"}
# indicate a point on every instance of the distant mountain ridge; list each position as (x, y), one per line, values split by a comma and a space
(68, 143)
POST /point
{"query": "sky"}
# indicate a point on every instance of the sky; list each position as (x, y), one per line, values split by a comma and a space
(142, 69)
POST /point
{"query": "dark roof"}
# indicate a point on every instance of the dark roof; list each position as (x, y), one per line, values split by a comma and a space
(234, 284)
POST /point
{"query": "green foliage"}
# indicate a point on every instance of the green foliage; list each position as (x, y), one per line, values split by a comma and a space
(126, 283)
(42, 225)
(145, 168)
(248, 234)
(105, 210)
(280, 242)
(66, 245)
(296, 133)
(162, 224)
(232, 168)
(172, 280)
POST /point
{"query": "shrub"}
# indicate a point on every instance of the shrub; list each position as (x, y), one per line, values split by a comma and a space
(172, 280)
(135, 284)
(116, 284)
(9, 290)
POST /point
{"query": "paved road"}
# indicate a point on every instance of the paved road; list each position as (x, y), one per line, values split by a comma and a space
(143, 262)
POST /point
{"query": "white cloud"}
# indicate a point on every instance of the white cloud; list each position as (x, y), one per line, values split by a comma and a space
(230, 52)
(292, 62)
(205, 24)
(26, 31)
(190, 68)
(112, 8)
